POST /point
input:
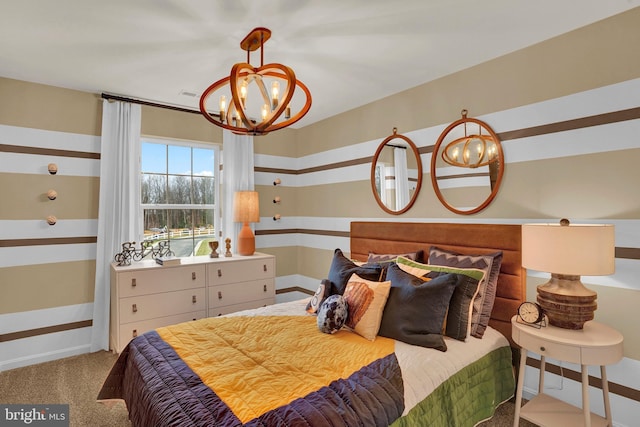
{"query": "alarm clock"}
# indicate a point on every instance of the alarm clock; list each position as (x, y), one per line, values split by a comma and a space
(531, 313)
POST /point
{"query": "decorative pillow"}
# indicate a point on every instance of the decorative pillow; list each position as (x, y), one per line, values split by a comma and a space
(318, 298)
(332, 314)
(383, 258)
(483, 303)
(342, 268)
(415, 310)
(460, 311)
(365, 300)
(458, 319)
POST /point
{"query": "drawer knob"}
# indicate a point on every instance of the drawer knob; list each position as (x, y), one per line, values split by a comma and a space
(543, 349)
(219, 294)
(134, 308)
(134, 333)
(133, 283)
(194, 299)
(193, 275)
(264, 267)
(265, 288)
(219, 273)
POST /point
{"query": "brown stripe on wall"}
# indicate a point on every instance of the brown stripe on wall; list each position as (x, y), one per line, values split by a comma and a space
(46, 330)
(303, 231)
(294, 289)
(596, 120)
(52, 241)
(628, 253)
(48, 152)
(599, 119)
(463, 175)
(620, 390)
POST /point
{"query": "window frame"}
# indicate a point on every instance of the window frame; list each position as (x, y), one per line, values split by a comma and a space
(167, 141)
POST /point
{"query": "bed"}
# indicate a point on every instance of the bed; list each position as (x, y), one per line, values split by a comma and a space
(273, 367)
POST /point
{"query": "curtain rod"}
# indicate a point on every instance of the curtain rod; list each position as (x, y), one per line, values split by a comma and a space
(111, 97)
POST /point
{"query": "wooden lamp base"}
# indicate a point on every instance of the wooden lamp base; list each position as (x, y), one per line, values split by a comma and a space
(246, 240)
(566, 301)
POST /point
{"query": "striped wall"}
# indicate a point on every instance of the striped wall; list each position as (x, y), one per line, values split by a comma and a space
(566, 110)
(570, 126)
(47, 271)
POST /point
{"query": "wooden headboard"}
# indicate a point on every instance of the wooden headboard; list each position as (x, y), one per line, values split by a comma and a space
(476, 239)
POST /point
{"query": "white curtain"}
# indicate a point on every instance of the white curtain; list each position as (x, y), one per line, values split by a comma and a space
(119, 217)
(402, 177)
(237, 175)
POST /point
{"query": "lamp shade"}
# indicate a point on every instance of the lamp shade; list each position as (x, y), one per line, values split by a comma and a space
(580, 249)
(246, 207)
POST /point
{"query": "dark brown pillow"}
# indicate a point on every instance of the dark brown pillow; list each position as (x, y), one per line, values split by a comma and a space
(416, 309)
(342, 268)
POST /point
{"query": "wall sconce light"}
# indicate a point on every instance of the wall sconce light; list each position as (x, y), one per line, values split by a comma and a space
(246, 210)
(277, 181)
(52, 194)
(568, 251)
(276, 199)
(277, 217)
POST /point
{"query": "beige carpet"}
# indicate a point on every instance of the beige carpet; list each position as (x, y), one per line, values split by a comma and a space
(77, 381)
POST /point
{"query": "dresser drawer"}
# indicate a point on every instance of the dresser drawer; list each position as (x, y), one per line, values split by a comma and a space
(131, 330)
(241, 271)
(565, 352)
(236, 293)
(219, 311)
(160, 279)
(145, 307)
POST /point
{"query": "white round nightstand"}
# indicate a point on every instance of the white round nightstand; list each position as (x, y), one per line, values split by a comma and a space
(595, 344)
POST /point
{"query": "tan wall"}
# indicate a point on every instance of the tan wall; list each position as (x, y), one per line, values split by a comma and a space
(590, 57)
(598, 186)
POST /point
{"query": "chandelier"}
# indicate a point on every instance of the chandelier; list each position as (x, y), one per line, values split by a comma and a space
(256, 101)
(471, 151)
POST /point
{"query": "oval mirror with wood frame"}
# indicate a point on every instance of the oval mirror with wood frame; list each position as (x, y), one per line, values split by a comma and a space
(467, 165)
(396, 174)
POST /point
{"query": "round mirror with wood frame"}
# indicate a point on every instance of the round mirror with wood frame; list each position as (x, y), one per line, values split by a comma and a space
(396, 174)
(467, 165)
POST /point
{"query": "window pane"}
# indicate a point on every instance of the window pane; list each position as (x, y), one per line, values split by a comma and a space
(154, 189)
(179, 190)
(203, 190)
(203, 162)
(154, 158)
(179, 160)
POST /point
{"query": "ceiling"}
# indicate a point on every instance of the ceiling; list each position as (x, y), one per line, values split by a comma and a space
(347, 52)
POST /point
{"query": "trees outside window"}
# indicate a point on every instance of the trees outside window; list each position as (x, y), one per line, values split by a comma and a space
(179, 194)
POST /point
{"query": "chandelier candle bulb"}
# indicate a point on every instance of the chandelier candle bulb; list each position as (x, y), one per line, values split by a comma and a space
(243, 95)
(287, 112)
(275, 93)
(223, 107)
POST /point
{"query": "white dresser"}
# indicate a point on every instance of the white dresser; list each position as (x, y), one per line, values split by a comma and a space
(145, 295)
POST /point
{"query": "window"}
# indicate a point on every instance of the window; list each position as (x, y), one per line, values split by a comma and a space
(179, 194)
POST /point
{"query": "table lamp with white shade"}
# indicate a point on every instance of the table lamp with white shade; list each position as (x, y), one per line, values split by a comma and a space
(568, 251)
